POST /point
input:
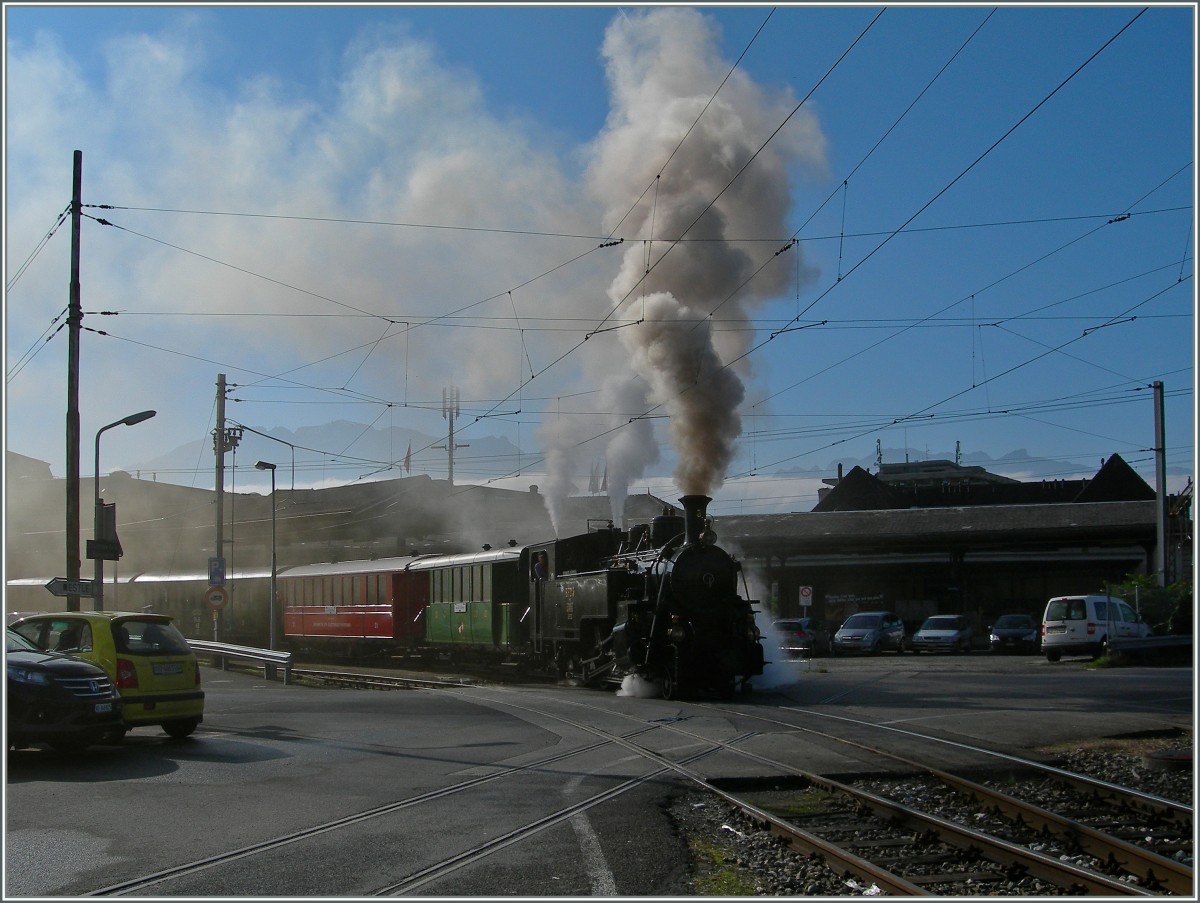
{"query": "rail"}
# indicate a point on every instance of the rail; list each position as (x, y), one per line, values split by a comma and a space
(220, 653)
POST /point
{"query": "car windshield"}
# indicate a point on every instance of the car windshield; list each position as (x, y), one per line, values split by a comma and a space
(790, 625)
(941, 623)
(858, 622)
(14, 642)
(136, 637)
(1014, 621)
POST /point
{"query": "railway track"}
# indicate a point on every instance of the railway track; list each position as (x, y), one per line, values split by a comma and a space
(1135, 848)
(1112, 830)
(859, 830)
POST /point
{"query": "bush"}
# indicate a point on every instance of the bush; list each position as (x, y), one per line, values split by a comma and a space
(1168, 610)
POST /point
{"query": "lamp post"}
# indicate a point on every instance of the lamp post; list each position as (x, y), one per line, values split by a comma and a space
(264, 465)
(98, 525)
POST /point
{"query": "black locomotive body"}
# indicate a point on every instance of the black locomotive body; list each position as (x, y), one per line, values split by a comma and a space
(663, 604)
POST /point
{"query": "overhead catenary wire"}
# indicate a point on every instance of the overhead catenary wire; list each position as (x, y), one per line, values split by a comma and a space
(530, 324)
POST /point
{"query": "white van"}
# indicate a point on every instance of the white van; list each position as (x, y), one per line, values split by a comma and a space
(1083, 625)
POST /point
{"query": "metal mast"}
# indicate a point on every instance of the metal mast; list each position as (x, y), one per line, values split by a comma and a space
(450, 410)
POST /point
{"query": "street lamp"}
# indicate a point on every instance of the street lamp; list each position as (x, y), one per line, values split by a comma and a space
(98, 525)
(264, 465)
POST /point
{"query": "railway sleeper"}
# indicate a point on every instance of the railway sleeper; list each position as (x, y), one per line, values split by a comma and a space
(957, 878)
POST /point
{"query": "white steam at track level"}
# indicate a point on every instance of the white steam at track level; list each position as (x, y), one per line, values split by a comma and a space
(700, 234)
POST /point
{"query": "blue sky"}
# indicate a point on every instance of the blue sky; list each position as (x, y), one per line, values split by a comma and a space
(988, 217)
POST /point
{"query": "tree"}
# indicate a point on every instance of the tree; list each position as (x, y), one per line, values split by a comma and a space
(1168, 610)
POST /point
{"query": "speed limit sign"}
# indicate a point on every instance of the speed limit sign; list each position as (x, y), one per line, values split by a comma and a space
(805, 596)
(216, 597)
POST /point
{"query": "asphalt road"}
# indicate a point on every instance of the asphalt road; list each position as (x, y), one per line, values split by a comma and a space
(272, 761)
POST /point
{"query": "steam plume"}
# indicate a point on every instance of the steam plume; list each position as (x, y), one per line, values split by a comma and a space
(663, 67)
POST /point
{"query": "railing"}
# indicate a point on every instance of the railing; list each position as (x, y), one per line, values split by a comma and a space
(220, 653)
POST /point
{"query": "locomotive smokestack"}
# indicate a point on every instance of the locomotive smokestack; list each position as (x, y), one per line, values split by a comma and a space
(695, 507)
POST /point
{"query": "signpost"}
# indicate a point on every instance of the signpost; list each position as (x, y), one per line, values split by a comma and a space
(805, 596)
(216, 597)
(61, 586)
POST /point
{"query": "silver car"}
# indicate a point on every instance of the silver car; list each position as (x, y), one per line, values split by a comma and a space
(944, 633)
(872, 632)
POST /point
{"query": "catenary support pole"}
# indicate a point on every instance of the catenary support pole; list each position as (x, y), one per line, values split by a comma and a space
(74, 324)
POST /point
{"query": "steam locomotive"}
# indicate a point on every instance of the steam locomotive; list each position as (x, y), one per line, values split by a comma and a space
(660, 601)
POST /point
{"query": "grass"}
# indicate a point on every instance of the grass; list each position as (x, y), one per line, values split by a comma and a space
(717, 875)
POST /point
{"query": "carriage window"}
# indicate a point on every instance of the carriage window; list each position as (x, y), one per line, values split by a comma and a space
(456, 592)
(487, 584)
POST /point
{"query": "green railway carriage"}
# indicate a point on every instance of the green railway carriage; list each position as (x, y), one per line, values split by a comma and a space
(478, 603)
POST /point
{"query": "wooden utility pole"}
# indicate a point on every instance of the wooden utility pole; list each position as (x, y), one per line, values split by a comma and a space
(74, 323)
(224, 439)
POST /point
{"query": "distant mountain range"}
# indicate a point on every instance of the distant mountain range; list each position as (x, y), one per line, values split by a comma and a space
(342, 452)
(339, 452)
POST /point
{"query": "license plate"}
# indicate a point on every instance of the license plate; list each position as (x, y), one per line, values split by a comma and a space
(168, 667)
(103, 707)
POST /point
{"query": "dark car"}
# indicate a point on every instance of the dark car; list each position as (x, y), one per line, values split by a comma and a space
(56, 699)
(870, 631)
(1016, 633)
(803, 637)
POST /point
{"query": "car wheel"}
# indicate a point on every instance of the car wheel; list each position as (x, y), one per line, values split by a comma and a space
(182, 728)
(114, 735)
(1053, 656)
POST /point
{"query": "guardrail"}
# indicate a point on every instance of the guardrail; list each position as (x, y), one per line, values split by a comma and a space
(1151, 646)
(220, 653)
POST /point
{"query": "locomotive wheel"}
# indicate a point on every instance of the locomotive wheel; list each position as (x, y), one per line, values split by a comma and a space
(670, 677)
(669, 689)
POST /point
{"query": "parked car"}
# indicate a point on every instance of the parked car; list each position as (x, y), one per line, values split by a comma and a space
(1084, 625)
(870, 631)
(56, 699)
(944, 633)
(1015, 633)
(144, 655)
(803, 637)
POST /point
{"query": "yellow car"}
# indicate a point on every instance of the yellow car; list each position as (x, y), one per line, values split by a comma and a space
(147, 658)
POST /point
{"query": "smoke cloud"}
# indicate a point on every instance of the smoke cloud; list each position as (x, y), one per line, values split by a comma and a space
(663, 67)
(634, 448)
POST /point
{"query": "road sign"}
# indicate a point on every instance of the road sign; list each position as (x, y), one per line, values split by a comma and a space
(216, 597)
(805, 596)
(216, 572)
(108, 551)
(61, 586)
